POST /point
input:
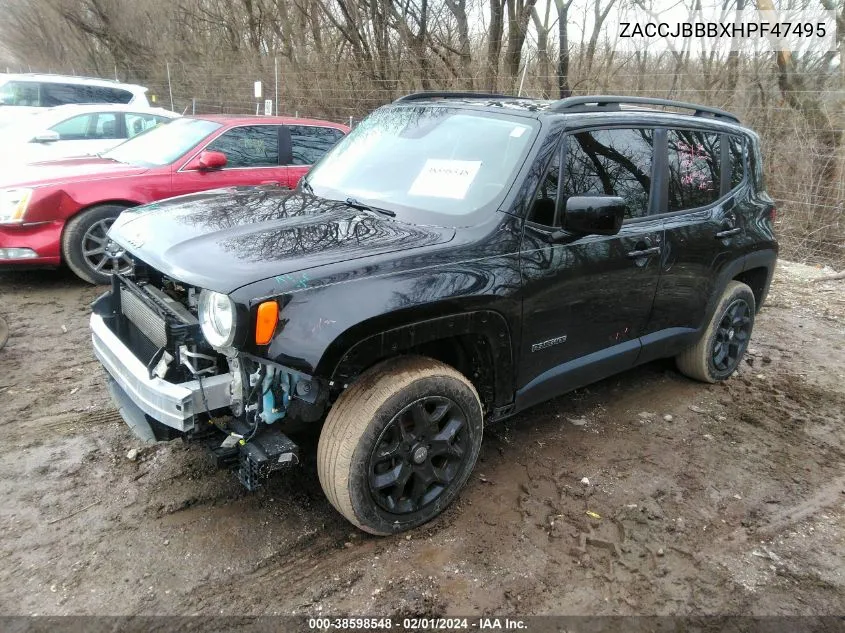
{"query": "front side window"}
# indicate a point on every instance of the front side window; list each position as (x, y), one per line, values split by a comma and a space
(694, 177)
(431, 164)
(93, 126)
(20, 93)
(163, 144)
(249, 146)
(614, 162)
(310, 142)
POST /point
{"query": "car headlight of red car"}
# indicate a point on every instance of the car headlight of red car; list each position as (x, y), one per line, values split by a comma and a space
(13, 204)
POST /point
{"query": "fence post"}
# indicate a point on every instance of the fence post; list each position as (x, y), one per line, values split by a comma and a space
(169, 86)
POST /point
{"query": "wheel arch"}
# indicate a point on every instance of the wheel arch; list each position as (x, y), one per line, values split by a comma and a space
(757, 273)
(100, 203)
(476, 343)
(756, 267)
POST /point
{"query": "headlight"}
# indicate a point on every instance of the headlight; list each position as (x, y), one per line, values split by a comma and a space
(217, 318)
(13, 203)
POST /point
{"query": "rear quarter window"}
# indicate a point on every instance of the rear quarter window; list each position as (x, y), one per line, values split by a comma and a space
(736, 145)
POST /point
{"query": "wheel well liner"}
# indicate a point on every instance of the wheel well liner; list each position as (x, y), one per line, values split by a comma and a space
(476, 343)
(757, 279)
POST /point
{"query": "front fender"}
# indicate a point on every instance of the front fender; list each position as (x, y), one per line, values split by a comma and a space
(324, 316)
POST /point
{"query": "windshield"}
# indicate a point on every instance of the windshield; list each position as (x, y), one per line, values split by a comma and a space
(163, 144)
(433, 159)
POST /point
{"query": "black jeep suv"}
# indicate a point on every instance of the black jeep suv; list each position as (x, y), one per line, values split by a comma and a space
(455, 259)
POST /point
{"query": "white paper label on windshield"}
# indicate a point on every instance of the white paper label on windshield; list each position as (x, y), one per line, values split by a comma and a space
(443, 178)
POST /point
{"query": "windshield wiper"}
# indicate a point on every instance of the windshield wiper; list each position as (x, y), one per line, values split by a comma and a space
(306, 186)
(352, 202)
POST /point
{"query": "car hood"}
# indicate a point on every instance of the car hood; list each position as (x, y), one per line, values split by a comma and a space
(227, 238)
(58, 172)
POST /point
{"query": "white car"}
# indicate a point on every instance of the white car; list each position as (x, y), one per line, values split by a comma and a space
(74, 130)
(20, 93)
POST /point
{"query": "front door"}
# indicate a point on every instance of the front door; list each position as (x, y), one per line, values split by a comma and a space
(587, 298)
(252, 158)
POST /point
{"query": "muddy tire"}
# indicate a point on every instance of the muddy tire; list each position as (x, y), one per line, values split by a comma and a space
(399, 444)
(84, 242)
(721, 347)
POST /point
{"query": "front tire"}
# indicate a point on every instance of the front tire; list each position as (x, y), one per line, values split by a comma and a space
(399, 444)
(720, 349)
(85, 247)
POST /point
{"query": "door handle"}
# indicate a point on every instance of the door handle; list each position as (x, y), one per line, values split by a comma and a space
(271, 182)
(646, 252)
(727, 233)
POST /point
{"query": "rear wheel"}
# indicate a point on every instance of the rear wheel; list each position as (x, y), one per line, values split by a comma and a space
(87, 250)
(721, 347)
(399, 444)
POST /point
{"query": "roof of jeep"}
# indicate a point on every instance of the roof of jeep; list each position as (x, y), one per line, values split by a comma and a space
(543, 108)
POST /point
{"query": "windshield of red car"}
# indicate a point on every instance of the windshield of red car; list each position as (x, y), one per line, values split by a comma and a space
(427, 162)
(162, 144)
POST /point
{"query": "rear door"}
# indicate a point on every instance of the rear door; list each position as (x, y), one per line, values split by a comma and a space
(587, 299)
(308, 143)
(252, 158)
(703, 228)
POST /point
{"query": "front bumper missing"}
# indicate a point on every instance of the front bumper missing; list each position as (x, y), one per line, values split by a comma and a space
(170, 404)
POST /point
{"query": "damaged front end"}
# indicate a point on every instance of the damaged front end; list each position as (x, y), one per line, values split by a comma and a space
(167, 381)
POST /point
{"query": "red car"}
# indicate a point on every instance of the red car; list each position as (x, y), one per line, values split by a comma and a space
(59, 211)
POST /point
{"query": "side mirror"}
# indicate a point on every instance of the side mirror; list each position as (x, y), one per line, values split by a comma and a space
(47, 136)
(594, 215)
(208, 160)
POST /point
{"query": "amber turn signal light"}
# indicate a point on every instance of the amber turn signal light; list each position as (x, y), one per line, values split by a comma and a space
(265, 322)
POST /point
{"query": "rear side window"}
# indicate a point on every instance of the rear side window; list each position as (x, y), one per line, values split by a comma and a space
(611, 162)
(137, 122)
(309, 142)
(693, 169)
(737, 153)
(53, 94)
(249, 146)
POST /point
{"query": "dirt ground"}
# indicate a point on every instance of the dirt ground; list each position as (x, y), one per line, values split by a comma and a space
(733, 505)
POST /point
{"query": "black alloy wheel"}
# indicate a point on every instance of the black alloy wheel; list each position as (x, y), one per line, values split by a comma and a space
(732, 336)
(418, 455)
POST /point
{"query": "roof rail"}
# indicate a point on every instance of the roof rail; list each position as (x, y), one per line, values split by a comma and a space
(31, 74)
(419, 96)
(592, 104)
